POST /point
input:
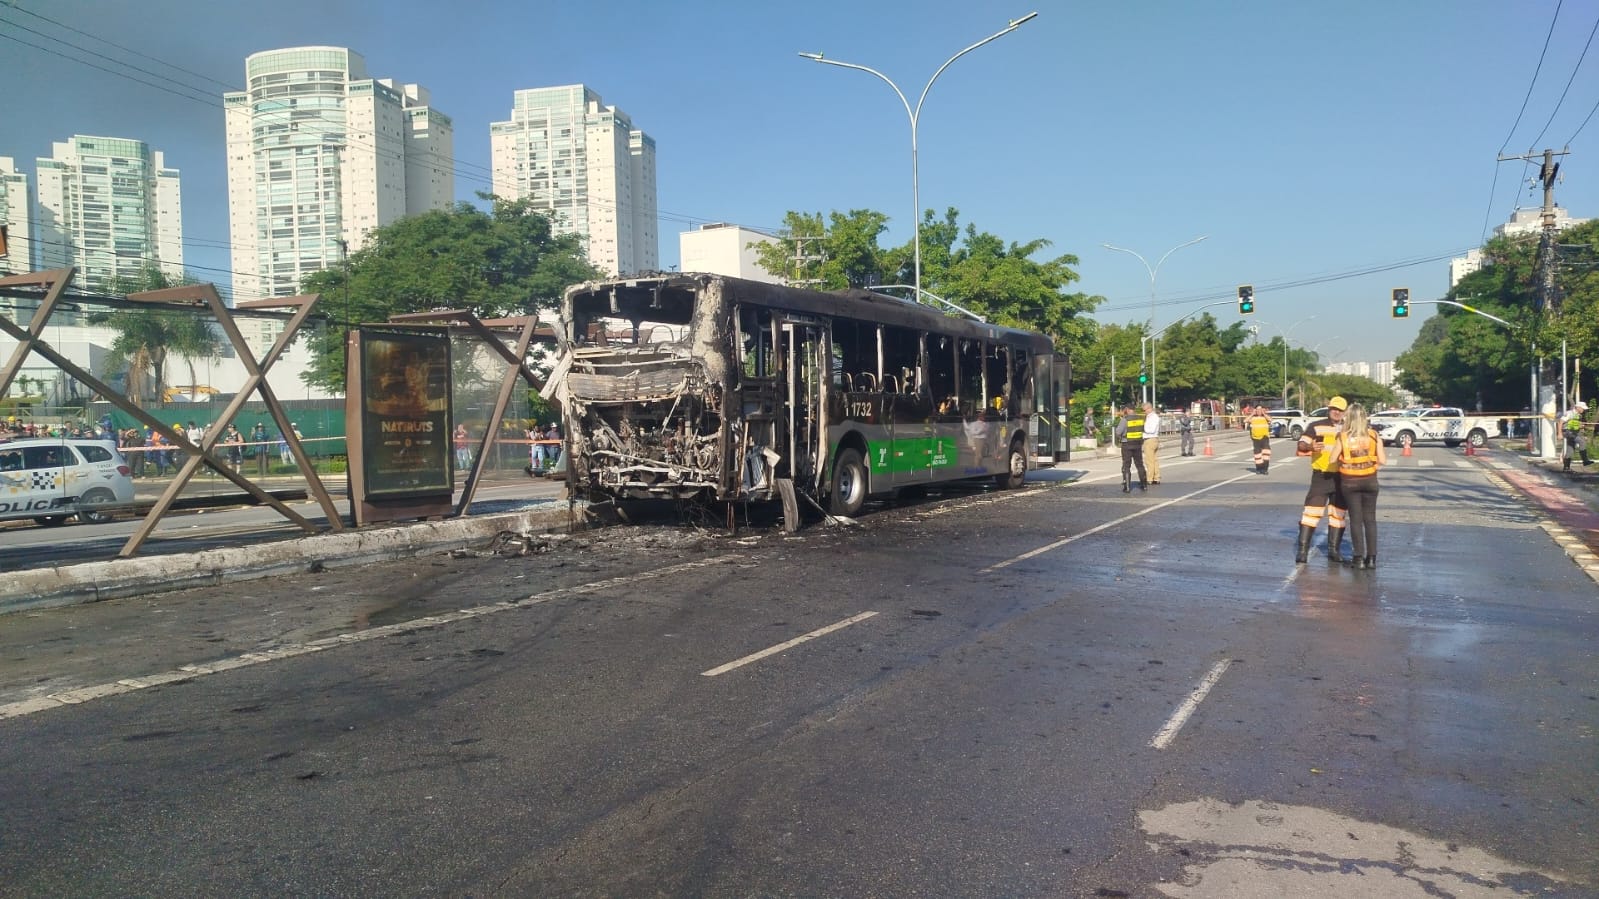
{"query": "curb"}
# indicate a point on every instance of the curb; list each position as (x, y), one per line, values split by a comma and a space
(45, 588)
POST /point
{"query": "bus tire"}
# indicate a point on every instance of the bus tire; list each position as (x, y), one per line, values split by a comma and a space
(1016, 468)
(848, 493)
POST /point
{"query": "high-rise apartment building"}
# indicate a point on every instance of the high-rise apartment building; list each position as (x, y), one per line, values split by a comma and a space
(320, 154)
(108, 206)
(16, 206)
(724, 249)
(586, 165)
(1522, 222)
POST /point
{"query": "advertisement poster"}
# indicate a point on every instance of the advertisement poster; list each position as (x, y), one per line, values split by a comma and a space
(405, 414)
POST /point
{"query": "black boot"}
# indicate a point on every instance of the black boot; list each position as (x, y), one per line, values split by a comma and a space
(1302, 550)
(1335, 536)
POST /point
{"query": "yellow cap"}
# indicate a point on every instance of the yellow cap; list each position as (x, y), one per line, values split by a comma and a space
(1338, 403)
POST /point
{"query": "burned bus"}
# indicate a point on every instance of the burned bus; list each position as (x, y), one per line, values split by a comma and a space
(695, 386)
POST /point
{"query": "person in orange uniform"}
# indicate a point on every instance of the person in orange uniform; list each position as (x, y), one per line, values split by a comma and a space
(1358, 452)
(1324, 494)
(1259, 424)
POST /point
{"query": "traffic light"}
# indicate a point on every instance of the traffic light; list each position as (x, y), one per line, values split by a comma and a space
(1401, 302)
(1246, 300)
(1143, 376)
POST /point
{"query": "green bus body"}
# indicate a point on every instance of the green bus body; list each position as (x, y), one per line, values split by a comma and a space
(684, 386)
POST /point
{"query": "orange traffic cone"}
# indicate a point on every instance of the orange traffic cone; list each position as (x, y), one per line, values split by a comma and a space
(1407, 450)
(1208, 450)
(1470, 450)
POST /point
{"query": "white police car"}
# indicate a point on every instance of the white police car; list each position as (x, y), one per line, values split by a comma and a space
(50, 479)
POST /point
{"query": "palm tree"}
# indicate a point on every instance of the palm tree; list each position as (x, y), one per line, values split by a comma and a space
(147, 337)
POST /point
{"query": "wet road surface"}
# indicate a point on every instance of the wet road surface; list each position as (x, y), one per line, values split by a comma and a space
(1056, 691)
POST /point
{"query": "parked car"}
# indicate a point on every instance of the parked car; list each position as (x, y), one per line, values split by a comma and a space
(1448, 424)
(51, 479)
(1288, 422)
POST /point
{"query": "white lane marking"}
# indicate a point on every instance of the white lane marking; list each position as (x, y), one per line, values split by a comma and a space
(1180, 717)
(1426, 463)
(786, 644)
(1462, 463)
(1109, 524)
(1292, 576)
(1115, 474)
(290, 650)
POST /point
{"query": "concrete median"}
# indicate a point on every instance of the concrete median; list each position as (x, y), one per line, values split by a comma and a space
(95, 581)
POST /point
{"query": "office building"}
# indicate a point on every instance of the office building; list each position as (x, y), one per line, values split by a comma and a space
(584, 164)
(319, 155)
(723, 249)
(110, 207)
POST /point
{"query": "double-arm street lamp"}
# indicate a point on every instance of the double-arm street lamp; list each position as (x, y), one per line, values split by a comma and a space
(1153, 271)
(1285, 335)
(915, 115)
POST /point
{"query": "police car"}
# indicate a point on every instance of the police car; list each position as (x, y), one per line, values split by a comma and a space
(51, 479)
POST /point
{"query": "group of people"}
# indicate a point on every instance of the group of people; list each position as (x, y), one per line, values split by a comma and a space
(14, 428)
(1138, 431)
(150, 453)
(1345, 455)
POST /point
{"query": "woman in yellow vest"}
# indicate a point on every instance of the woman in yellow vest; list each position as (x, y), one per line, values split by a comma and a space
(1358, 453)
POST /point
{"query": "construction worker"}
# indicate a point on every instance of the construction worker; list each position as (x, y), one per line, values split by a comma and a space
(1130, 434)
(1325, 487)
(1571, 430)
(1259, 425)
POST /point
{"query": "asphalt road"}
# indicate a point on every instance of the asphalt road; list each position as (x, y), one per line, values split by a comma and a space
(1056, 691)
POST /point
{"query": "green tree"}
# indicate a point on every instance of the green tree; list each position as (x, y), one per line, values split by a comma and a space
(1460, 358)
(147, 338)
(974, 270)
(504, 261)
(838, 252)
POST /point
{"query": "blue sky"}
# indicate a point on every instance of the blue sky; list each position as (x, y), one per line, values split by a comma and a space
(1306, 141)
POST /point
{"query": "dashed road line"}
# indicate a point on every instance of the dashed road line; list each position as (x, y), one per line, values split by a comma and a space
(290, 650)
(1180, 717)
(1109, 524)
(786, 644)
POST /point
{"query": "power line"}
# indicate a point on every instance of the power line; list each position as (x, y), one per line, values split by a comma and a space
(467, 171)
(102, 40)
(1304, 281)
(1573, 77)
(1488, 213)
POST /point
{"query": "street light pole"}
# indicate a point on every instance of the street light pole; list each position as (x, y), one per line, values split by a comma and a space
(915, 116)
(1286, 335)
(1149, 395)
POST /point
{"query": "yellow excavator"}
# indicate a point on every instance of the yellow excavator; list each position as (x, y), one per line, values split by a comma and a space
(187, 392)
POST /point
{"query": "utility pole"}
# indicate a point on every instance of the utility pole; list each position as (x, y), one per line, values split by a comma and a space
(1548, 300)
(801, 259)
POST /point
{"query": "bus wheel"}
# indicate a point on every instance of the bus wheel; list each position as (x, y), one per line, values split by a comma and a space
(849, 484)
(1016, 463)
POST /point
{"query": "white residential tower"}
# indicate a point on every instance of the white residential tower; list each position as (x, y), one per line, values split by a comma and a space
(319, 154)
(110, 207)
(585, 164)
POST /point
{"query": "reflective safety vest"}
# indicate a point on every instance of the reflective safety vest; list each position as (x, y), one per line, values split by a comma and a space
(1259, 426)
(1135, 428)
(1321, 435)
(1353, 463)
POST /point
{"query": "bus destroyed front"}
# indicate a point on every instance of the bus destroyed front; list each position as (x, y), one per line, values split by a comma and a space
(644, 422)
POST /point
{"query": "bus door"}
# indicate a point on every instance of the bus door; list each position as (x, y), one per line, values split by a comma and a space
(806, 363)
(1052, 433)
